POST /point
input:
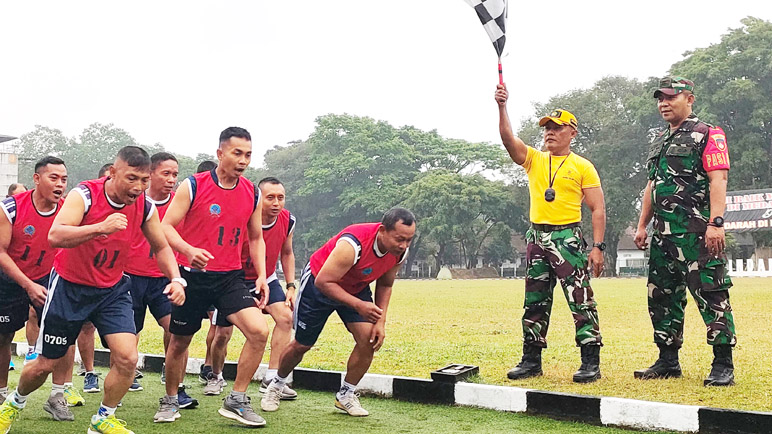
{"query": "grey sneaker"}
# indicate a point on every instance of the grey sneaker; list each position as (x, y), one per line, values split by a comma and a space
(287, 394)
(56, 406)
(271, 398)
(168, 411)
(240, 409)
(213, 386)
(3, 397)
(349, 403)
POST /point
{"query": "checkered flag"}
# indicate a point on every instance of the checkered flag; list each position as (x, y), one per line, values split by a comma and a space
(493, 15)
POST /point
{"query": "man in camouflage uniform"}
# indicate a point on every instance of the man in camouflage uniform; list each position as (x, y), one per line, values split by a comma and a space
(688, 165)
(558, 182)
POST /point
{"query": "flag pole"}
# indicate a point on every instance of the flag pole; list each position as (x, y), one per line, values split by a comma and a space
(501, 76)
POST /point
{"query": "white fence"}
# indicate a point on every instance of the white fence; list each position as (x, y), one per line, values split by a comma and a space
(750, 268)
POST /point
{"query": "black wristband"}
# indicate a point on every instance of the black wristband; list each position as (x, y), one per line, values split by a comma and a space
(291, 285)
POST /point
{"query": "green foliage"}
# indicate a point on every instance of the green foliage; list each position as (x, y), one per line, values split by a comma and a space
(733, 84)
(352, 169)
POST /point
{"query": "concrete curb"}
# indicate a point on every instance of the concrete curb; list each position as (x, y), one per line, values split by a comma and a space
(621, 412)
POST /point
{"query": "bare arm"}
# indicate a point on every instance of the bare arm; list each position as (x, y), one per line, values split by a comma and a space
(516, 148)
(37, 293)
(66, 231)
(647, 213)
(341, 260)
(288, 266)
(597, 204)
(288, 260)
(164, 257)
(175, 213)
(383, 288)
(257, 251)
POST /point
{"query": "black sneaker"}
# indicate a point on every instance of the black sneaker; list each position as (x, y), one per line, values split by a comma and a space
(185, 400)
(203, 376)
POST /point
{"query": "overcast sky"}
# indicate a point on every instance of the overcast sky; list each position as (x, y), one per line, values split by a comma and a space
(177, 73)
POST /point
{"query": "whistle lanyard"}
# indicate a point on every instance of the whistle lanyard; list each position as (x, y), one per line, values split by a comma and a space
(549, 175)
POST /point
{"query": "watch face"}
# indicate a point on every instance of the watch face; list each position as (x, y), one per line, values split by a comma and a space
(718, 221)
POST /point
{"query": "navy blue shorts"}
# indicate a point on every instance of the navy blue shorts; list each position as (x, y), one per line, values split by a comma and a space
(312, 308)
(148, 292)
(15, 303)
(275, 295)
(69, 305)
(225, 290)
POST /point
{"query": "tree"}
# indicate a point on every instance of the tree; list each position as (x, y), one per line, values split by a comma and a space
(733, 84)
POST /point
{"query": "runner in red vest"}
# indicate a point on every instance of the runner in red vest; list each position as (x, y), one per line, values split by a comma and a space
(278, 226)
(26, 258)
(92, 231)
(337, 278)
(221, 210)
(147, 282)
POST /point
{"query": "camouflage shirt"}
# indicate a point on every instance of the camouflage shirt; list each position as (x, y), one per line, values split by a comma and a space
(680, 189)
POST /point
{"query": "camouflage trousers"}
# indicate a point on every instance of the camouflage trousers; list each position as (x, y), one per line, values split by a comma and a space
(552, 256)
(681, 261)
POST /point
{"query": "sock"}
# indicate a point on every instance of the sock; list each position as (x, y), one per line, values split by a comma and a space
(18, 399)
(57, 388)
(173, 397)
(105, 411)
(346, 388)
(280, 381)
(220, 377)
(238, 394)
(31, 350)
(270, 374)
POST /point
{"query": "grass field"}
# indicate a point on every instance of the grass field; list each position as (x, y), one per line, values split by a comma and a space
(434, 323)
(313, 412)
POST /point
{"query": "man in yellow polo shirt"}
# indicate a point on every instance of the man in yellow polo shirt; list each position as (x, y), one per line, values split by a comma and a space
(558, 181)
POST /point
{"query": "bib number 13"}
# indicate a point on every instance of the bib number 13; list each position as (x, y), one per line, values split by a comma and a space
(235, 233)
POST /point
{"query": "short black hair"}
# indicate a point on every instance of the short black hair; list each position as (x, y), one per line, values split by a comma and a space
(134, 156)
(160, 157)
(13, 187)
(205, 166)
(396, 215)
(45, 161)
(269, 180)
(103, 170)
(239, 132)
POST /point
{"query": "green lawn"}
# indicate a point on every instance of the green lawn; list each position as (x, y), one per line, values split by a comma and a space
(434, 323)
(313, 412)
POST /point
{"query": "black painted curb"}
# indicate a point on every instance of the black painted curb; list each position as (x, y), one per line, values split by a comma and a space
(564, 406)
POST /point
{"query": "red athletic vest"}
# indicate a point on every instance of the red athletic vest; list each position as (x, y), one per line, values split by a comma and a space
(100, 262)
(274, 236)
(142, 259)
(368, 266)
(217, 219)
(29, 246)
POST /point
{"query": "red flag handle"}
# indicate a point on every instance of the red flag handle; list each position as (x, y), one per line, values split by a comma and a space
(501, 76)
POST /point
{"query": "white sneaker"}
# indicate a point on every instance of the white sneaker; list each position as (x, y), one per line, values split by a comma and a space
(214, 386)
(271, 398)
(350, 404)
(287, 394)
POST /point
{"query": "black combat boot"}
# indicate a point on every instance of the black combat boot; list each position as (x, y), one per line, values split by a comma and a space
(529, 366)
(722, 373)
(589, 371)
(666, 366)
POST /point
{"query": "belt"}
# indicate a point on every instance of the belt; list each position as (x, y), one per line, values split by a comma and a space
(553, 228)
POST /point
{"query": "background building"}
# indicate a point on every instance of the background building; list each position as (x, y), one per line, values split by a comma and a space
(9, 163)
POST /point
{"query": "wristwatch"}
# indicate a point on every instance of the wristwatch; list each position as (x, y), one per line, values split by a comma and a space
(601, 246)
(717, 221)
(181, 281)
(291, 285)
